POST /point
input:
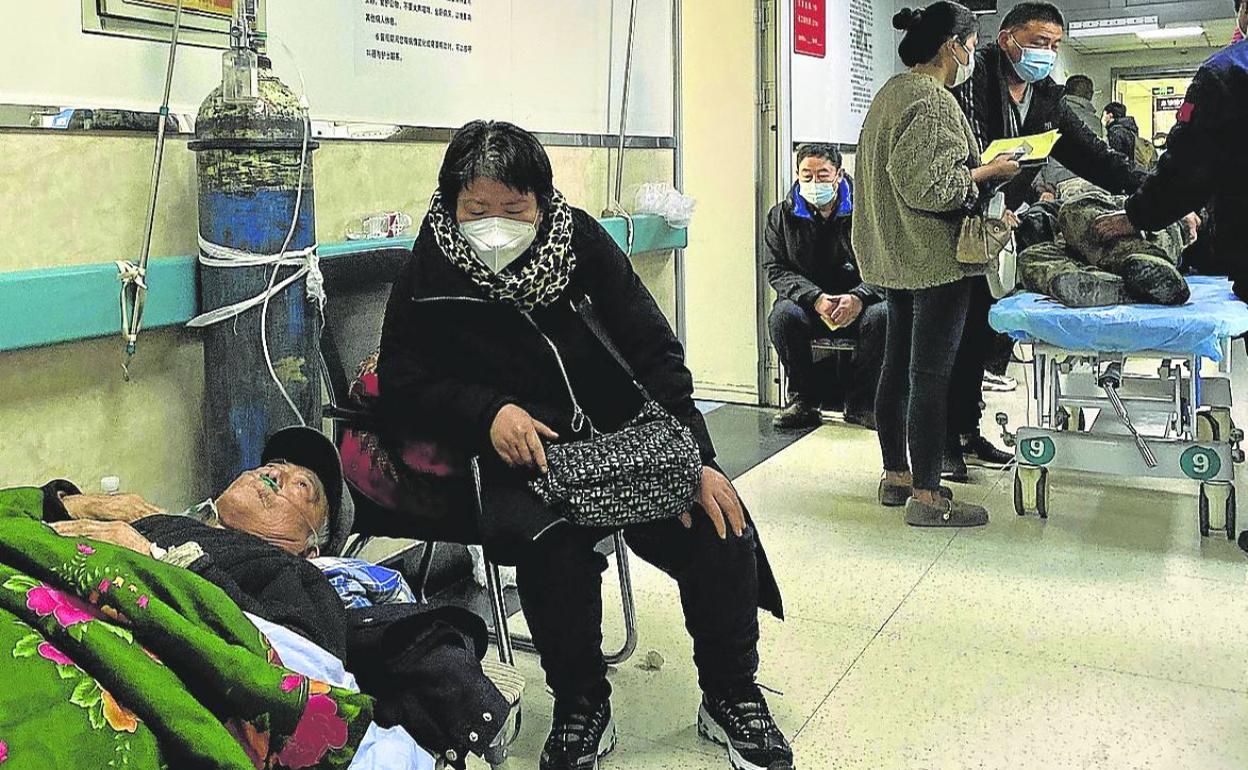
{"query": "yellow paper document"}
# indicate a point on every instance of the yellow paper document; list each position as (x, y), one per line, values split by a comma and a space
(1033, 149)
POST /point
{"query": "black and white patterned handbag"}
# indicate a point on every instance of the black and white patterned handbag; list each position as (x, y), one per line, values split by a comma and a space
(648, 470)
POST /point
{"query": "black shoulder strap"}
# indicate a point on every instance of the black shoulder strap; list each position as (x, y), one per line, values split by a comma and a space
(585, 309)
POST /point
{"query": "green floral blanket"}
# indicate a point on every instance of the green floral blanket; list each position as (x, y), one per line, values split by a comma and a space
(111, 659)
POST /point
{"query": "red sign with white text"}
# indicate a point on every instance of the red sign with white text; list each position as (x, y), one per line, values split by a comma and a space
(810, 28)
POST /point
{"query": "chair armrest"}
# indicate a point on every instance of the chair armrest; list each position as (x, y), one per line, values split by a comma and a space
(352, 417)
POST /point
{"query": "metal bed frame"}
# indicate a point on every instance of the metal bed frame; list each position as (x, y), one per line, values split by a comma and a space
(1175, 424)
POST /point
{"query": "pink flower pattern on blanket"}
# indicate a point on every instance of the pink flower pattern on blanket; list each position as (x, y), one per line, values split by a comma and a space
(68, 610)
(48, 652)
(319, 730)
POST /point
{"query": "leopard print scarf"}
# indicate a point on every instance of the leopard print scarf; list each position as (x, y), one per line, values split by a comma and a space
(542, 276)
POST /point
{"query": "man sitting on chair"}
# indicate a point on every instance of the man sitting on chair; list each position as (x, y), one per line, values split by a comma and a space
(810, 263)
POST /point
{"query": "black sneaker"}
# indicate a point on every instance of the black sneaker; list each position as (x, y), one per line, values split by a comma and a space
(977, 450)
(953, 467)
(799, 414)
(741, 722)
(860, 417)
(582, 733)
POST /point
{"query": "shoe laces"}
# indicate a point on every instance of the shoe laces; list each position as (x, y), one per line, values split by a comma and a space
(575, 727)
(749, 717)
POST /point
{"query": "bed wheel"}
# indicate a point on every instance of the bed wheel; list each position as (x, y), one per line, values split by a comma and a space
(1207, 428)
(1031, 491)
(1213, 495)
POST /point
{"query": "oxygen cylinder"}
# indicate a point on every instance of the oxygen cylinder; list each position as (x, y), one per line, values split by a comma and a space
(248, 162)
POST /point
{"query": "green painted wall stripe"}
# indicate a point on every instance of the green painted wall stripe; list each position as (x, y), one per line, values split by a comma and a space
(62, 304)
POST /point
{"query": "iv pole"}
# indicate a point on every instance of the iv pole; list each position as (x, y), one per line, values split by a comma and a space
(134, 277)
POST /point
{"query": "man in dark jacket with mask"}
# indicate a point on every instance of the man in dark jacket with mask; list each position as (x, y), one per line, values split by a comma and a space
(810, 263)
(1012, 94)
(1205, 165)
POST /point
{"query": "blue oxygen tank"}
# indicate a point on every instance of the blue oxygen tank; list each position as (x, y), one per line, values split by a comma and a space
(248, 162)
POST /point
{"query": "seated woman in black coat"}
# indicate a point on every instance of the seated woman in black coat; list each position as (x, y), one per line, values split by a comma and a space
(476, 330)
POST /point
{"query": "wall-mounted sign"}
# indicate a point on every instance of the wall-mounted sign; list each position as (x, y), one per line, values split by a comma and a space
(1167, 103)
(810, 28)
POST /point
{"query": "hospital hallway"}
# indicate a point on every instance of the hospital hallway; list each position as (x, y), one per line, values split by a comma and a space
(1110, 636)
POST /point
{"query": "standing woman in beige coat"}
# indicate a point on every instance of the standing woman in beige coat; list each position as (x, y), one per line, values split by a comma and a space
(918, 178)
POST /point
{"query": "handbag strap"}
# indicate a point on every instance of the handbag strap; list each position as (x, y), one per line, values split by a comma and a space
(585, 309)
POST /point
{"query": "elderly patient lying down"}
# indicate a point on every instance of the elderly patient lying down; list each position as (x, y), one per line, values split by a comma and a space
(136, 641)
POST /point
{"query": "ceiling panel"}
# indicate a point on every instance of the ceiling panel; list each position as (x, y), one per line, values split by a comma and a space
(1217, 34)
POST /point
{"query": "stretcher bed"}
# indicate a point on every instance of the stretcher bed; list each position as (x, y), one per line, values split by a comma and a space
(1127, 391)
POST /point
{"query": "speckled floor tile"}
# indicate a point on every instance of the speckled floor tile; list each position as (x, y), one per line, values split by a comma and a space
(919, 705)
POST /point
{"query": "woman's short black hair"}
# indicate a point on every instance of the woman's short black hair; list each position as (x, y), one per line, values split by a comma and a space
(1025, 13)
(927, 29)
(1117, 109)
(500, 151)
(828, 152)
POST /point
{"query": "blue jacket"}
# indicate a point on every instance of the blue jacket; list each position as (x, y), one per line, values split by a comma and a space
(806, 256)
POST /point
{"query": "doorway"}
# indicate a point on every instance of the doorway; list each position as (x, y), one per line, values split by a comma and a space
(1153, 101)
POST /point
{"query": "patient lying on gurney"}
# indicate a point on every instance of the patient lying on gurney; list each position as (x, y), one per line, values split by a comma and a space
(1061, 256)
(255, 540)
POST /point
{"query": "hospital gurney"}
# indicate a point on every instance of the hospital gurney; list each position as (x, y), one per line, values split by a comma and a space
(1098, 411)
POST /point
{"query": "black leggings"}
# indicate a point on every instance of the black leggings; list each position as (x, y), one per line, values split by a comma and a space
(911, 406)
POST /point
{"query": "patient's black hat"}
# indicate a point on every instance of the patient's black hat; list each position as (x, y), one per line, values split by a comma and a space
(311, 449)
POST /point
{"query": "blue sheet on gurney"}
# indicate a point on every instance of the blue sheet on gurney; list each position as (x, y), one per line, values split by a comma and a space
(1213, 314)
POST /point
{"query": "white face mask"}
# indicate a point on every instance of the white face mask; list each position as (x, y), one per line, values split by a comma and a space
(499, 241)
(964, 70)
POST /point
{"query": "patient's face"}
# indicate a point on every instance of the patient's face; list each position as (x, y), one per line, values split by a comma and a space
(279, 503)
(485, 198)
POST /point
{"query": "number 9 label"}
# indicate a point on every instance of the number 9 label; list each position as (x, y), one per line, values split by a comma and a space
(1038, 451)
(1200, 463)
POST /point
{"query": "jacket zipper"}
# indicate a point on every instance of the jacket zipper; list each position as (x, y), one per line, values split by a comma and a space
(579, 418)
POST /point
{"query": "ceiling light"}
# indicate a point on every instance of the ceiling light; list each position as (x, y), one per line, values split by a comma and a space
(1171, 33)
(1107, 27)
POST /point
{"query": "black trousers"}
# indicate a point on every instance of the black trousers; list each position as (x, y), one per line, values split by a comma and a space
(560, 581)
(982, 348)
(792, 329)
(924, 332)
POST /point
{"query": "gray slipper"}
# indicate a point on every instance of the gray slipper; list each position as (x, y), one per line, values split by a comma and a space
(896, 495)
(950, 514)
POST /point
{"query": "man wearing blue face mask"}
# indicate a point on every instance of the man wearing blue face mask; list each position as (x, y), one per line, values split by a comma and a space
(1013, 94)
(809, 259)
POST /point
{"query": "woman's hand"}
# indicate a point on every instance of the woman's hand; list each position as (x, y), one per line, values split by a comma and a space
(1001, 168)
(720, 503)
(517, 438)
(1011, 220)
